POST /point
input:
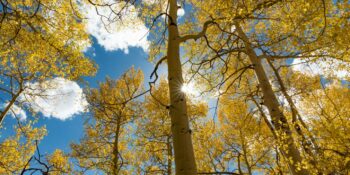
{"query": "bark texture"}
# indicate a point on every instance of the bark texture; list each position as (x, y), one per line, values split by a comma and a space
(181, 132)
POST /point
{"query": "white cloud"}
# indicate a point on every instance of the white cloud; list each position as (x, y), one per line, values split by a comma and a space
(130, 31)
(84, 45)
(326, 66)
(16, 112)
(58, 98)
(180, 12)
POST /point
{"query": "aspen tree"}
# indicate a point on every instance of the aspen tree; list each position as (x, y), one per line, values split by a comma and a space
(184, 155)
(180, 127)
(104, 146)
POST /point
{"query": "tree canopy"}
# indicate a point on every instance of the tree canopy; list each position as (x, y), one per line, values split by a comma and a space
(248, 87)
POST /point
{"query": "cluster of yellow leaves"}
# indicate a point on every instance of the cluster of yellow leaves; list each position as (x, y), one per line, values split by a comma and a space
(16, 150)
(59, 162)
(41, 40)
(327, 111)
(238, 140)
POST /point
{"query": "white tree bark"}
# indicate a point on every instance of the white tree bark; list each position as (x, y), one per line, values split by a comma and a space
(182, 142)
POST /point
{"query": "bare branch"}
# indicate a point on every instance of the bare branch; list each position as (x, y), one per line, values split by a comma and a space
(154, 72)
(198, 35)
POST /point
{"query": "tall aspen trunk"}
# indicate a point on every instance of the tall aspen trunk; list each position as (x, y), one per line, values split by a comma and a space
(307, 145)
(270, 101)
(184, 155)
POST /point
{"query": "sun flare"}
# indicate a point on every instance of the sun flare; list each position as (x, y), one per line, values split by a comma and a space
(190, 89)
